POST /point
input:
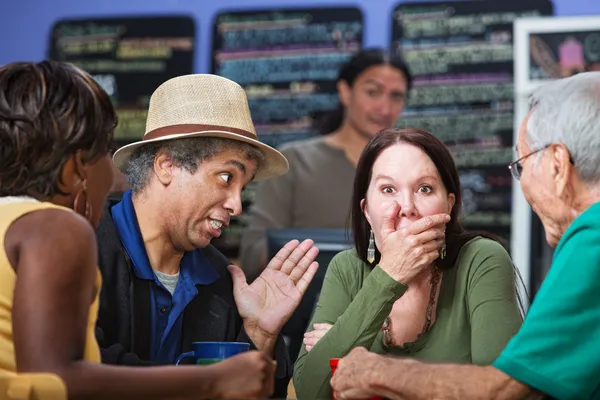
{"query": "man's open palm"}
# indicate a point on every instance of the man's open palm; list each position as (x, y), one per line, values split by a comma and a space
(272, 298)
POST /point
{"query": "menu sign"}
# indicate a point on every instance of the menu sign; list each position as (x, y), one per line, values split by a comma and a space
(129, 58)
(288, 62)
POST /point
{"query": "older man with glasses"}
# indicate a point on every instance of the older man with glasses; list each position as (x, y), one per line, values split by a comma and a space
(557, 351)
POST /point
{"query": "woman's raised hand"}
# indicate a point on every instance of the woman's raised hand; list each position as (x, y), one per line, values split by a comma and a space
(406, 252)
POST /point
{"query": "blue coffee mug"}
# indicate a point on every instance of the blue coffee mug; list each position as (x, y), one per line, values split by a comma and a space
(205, 353)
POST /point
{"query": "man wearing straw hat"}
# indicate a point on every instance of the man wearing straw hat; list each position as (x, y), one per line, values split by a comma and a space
(164, 285)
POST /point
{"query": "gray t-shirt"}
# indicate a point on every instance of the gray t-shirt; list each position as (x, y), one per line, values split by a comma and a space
(315, 193)
(168, 281)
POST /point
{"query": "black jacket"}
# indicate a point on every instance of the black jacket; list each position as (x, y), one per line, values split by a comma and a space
(123, 327)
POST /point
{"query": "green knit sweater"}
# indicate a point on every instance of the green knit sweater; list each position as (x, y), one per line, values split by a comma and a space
(477, 314)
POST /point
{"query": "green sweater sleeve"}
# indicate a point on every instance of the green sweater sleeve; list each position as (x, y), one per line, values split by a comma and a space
(355, 308)
(491, 301)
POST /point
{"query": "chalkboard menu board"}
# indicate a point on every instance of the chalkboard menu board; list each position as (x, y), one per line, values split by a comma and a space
(461, 55)
(563, 54)
(129, 58)
(288, 62)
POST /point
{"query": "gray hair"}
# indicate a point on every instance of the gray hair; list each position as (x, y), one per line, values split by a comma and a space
(186, 153)
(567, 111)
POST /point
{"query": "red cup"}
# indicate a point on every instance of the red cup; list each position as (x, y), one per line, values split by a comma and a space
(333, 363)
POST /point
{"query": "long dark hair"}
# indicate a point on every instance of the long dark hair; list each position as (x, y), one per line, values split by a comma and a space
(350, 71)
(456, 236)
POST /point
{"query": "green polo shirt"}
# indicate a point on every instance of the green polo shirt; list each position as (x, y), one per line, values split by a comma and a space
(557, 351)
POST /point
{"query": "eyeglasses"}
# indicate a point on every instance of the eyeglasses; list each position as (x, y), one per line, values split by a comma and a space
(516, 167)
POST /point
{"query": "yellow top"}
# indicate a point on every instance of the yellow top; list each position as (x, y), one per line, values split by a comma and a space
(11, 209)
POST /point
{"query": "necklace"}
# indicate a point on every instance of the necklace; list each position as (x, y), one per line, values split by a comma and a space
(387, 325)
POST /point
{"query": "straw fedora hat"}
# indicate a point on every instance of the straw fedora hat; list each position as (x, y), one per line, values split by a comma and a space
(202, 105)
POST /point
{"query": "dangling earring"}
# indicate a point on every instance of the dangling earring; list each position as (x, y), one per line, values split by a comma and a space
(371, 249)
(81, 204)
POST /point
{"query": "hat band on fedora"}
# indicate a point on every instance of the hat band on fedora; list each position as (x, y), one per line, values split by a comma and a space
(192, 128)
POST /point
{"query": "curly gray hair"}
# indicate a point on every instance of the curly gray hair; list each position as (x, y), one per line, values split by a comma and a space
(566, 111)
